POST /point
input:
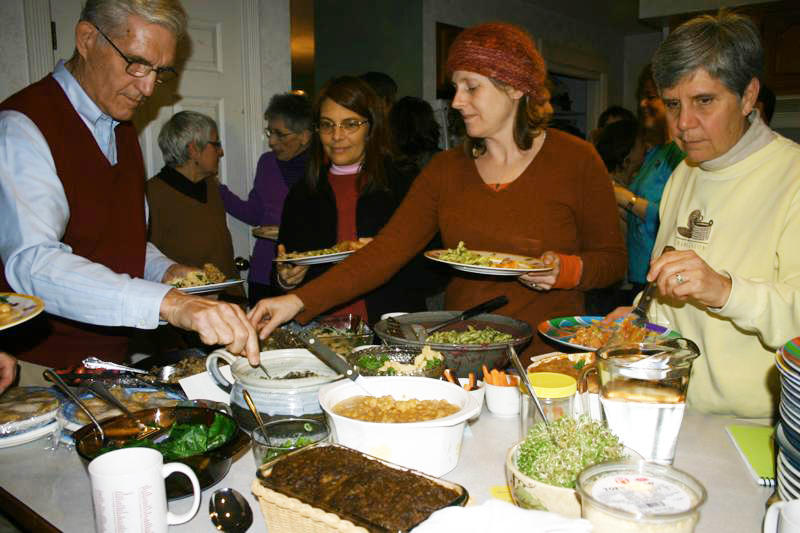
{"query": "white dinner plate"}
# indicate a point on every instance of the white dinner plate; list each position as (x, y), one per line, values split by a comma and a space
(23, 308)
(214, 287)
(530, 264)
(25, 437)
(316, 259)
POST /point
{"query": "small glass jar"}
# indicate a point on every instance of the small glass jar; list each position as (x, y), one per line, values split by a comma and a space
(556, 394)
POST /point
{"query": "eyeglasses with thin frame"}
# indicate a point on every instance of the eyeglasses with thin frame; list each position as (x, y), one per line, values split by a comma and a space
(140, 68)
(350, 125)
(279, 135)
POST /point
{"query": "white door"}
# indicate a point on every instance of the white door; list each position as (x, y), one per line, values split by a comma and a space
(212, 81)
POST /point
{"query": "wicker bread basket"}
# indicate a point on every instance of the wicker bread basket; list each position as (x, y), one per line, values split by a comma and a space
(284, 514)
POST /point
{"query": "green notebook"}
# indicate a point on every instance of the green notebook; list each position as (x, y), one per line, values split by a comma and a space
(757, 447)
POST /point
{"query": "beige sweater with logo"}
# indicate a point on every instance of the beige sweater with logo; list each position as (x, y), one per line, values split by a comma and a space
(745, 220)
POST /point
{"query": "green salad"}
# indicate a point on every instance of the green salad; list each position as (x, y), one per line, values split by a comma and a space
(289, 445)
(471, 336)
(466, 257)
(184, 440)
(557, 456)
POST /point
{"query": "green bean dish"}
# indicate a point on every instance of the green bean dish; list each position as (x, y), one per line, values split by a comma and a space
(471, 336)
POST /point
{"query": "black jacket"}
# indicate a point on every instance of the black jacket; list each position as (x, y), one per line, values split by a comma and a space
(310, 222)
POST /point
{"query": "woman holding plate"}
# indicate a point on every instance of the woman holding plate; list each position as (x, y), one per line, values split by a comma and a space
(515, 187)
(349, 193)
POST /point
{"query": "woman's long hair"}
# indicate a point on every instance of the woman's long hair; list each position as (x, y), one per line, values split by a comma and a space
(358, 97)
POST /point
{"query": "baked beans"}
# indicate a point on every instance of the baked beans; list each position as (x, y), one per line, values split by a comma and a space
(387, 409)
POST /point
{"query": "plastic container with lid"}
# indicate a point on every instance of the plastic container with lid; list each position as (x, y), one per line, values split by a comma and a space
(556, 393)
(639, 497)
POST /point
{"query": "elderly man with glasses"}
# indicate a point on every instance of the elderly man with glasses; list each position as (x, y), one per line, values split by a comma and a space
(72, 197)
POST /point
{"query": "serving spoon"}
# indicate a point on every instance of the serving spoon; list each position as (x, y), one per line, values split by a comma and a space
(63, 387)
(229, 511)
(100, 390)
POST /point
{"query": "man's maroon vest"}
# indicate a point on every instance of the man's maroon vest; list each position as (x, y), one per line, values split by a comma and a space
(106, 223)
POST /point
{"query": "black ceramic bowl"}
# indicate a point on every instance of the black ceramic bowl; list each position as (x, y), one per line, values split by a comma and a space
(464, 358)
(210, 467)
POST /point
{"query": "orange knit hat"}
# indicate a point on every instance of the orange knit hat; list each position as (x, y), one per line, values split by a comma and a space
(501, 51)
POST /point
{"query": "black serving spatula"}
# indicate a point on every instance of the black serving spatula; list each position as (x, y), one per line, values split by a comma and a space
(332, 359)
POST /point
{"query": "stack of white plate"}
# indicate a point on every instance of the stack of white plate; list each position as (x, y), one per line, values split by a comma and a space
(787, 434)
(34, 419)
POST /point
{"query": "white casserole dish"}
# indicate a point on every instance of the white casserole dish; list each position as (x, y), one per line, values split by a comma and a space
(432, 446)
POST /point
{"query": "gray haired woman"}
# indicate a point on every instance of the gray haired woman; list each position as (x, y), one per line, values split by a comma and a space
(732, 212)
(187, 217)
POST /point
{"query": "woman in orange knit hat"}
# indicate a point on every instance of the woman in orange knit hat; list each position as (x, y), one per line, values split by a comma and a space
(515, 187)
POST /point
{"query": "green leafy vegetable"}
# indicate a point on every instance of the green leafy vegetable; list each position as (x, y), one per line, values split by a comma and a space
(557, 457)
(580, 364)
(372, 362)
(287, 446)
(184, 440)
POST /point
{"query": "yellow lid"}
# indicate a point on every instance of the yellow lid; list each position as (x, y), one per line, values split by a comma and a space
(551, 384)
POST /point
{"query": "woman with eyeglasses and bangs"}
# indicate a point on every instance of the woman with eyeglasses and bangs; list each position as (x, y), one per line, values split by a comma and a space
(516, 186)
(350, 191)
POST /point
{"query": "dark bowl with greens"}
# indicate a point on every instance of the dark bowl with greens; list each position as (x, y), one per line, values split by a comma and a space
(490, 347)
(204, 439)
(398, 361)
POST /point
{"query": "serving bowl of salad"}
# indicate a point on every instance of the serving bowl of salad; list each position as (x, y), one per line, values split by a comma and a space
(397, 361)
(542, 469)
(467, 345)
(202, 438)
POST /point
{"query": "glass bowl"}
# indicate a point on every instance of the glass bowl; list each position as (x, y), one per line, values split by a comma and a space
(278, 437)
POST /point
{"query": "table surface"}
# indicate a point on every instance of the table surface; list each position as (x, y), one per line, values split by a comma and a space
(56, 485)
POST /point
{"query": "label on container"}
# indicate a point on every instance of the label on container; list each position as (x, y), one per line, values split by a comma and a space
(640, 493)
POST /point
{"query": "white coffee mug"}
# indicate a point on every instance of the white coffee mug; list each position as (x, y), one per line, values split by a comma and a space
(129, 494)
(783, 517)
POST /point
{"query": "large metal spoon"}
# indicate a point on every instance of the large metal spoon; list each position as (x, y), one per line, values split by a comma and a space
(100, 390)
(63, 387)
(229, 511)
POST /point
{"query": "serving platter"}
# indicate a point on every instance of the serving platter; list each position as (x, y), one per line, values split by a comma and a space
(23, 308)
(563, 329)
(213, 287)
(526, 264)
(315, 259)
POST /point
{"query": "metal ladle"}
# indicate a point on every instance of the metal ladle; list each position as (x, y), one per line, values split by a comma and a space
(229, 511)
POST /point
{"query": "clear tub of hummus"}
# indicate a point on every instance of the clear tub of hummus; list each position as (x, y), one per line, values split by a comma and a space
(639, 497)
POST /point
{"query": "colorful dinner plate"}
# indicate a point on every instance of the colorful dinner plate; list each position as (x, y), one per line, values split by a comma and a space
(213, 287)
(527, 264)
(23, 308)
(563, 329)
(316, 259)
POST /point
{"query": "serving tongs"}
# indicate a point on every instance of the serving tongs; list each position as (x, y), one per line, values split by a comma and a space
(420, 333)
(325, 354)
(638, 316)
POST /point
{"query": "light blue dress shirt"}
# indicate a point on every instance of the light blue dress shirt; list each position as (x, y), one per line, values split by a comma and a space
(33, 218)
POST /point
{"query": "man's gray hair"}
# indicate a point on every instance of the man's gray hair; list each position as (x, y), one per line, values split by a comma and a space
(180, 131)
(111, 15)
(727, 46)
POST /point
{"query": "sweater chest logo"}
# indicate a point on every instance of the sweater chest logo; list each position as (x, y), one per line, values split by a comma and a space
(697, 229)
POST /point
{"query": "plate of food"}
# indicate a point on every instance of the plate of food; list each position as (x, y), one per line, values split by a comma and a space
(266, 232)
(590, 332)
(18, 308)
(210, 279)
(134, 398)
(26, 414)
(488, 263)
(334, 254)
(211, 287)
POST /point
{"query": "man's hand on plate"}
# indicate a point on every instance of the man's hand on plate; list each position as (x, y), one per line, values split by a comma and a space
(216, 322)
(543, 281)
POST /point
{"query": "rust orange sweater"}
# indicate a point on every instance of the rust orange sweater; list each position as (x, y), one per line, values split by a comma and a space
(562, 202)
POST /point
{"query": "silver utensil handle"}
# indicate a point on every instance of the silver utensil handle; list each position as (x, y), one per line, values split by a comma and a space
(99, 389)
(94, 362)
(63, 387)
(523, 375)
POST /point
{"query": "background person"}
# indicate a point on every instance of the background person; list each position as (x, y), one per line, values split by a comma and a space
(514, 187)
(383, 85)
(288, 129)
(72, 201)
(730, 210)
(350, 192)
(8, 370)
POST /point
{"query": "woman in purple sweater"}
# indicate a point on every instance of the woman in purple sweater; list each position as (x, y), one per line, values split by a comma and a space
(288, 119)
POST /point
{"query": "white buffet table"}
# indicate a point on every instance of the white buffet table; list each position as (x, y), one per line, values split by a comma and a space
(56, 486)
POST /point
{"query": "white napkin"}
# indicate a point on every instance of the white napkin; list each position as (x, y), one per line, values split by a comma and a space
(497, 515)
(202, 387)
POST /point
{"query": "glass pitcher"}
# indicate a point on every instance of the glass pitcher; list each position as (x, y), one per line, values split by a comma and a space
(643, 393)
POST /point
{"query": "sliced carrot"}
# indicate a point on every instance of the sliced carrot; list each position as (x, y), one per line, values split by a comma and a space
(471, 383)
(487, 377)
(448, 374)
(497, 377)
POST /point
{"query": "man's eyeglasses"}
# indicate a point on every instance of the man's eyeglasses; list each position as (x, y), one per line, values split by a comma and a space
(277, 134)
(140, 69)
(216, 144)
(350, 125)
